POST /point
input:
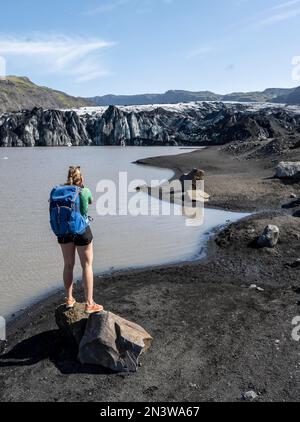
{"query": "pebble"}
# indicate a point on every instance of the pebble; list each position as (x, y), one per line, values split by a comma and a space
(296, 263)
(249, 395)
(255, 287)
(195, 386)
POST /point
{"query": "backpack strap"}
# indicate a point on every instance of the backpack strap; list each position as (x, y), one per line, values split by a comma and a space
(78, 192)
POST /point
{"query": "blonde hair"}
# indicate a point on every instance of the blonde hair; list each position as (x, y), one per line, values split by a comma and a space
(74, 176)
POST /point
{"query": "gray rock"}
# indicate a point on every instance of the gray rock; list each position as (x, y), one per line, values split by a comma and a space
(249, 395)
(196, 175)
(113, 342)
(288, 170)
(269, 238)
(255, 287)
(72, 321)
(295, 264)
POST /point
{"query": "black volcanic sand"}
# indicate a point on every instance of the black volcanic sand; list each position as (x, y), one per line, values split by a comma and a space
(214, 337)
(233, 183)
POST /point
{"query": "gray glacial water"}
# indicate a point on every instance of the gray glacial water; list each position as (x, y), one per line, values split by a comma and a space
(30, 258)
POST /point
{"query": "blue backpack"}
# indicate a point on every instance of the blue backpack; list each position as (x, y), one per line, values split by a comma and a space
(65, 216)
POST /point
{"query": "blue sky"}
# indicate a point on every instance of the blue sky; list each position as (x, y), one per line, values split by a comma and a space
(96, 47)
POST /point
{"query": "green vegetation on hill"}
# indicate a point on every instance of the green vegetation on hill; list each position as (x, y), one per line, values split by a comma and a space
(19, 93)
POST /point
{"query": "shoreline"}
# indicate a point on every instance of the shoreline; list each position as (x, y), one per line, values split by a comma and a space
(12, 318)
(210, 330)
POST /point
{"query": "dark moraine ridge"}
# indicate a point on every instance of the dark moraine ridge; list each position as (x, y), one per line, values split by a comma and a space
(194, 124)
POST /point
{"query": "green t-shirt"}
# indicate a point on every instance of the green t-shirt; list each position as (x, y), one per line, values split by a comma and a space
(86, 199)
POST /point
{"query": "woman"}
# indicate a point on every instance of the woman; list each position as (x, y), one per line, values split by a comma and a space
(84, 245)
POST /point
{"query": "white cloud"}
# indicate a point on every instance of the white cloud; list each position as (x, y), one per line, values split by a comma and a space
(279, 13)
(283, 11)
(285, 5)
(58, 53)
(108, 6)
(199, 52)
(279, 17)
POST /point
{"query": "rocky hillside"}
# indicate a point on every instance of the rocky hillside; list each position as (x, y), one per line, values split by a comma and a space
(169, 97)
(191, 124)
(174, 97)
(294, 97)
(19, 93)
(271, 95)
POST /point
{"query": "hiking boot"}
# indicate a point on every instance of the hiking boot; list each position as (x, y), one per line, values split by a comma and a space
(70, 303)
(93, 309)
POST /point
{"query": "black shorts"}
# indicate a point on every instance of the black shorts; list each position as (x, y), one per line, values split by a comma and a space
(78, 239)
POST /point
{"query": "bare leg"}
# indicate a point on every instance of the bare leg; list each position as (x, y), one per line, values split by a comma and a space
(68, 251)
(86, 256)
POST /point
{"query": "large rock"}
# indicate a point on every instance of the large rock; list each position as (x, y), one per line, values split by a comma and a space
(104, 339)
(72, 321)
(113, 342)
(288, 169)
(196, 175)
(269, 238)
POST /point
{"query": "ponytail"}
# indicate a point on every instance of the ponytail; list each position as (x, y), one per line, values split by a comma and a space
(74, 176)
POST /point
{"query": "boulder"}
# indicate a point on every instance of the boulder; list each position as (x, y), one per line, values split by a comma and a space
(113, 342)
(103, 339)
(72, 321)
(249, 395)
(269, 238)
(194, 176)
(288, 170)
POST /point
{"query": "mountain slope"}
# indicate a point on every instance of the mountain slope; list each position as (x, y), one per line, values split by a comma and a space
(179, 96)
(169, 97)
(18, 93)
(294, 97)
(268, 95)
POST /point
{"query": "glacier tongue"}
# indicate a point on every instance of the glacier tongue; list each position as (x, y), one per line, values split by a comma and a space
(190, 124)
